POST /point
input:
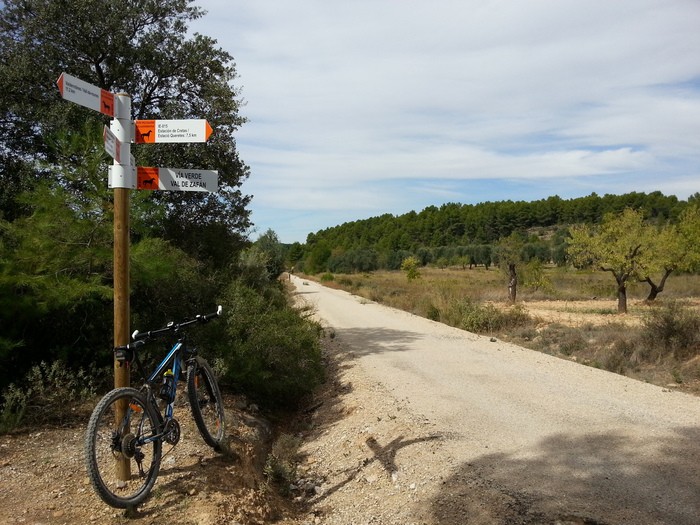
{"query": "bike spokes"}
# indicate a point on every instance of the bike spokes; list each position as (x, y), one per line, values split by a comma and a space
(123, 459)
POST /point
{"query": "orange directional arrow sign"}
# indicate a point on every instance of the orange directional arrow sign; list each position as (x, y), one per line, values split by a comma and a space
(188, 130)
(85, 94)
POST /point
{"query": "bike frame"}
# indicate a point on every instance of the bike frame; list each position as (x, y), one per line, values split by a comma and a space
(174, 356)
(173, 360)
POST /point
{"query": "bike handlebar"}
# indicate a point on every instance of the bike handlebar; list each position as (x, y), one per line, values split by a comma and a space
(139, 339)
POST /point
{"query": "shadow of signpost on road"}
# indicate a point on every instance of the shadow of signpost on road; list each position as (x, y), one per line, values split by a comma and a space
(595, 479)
(383, 454)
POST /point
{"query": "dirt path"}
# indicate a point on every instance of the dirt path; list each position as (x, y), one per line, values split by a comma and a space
(43, 479)
(427, 424)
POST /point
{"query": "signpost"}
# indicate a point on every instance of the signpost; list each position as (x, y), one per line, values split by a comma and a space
(149, 131)
(124, 176)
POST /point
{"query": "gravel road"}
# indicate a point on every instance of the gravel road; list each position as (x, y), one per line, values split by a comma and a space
(432, 424)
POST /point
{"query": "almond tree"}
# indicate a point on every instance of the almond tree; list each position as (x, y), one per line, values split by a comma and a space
(676, 249)
(622, 244)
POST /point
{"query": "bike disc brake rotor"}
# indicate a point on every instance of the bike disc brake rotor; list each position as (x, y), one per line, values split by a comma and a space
(172, 432)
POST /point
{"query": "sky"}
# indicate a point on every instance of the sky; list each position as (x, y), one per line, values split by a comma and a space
(359, 108)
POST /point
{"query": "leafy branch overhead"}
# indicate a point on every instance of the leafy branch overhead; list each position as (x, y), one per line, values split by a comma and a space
(147, 54)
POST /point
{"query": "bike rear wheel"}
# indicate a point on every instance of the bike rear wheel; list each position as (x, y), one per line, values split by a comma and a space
(206, 402)
(115, 448)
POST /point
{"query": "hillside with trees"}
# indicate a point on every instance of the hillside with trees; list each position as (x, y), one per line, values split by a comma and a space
(468, 234)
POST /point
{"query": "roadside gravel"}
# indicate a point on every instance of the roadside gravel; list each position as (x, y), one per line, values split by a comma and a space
(427, 424)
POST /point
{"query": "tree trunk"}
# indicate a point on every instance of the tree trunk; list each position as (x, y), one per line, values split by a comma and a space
(621, 297)
(512, 283)
(654, 290)
(657, 289)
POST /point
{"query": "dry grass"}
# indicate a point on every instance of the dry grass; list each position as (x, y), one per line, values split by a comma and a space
(570, 314)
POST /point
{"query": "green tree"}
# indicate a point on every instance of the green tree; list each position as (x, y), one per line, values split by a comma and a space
(410, 267)
(269, 244)
(168, 73)
(55, 267)
(295, 253)
(623, 244)
(676, 249)
(689, 232)
(509, 254)
(318, 258)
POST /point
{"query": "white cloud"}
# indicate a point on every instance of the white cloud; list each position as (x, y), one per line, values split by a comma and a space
(360, 103)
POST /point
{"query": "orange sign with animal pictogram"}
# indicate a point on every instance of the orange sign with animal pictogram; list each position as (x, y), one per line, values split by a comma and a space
(87, 95)
(144, 131)
(147, 178)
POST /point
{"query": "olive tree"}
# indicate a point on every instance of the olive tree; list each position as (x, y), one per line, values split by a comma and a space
(509, 255)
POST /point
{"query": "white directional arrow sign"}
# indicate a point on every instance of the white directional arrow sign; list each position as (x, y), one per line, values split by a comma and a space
(113, 145)
(84, 94)
(175, 179)
(189, 130)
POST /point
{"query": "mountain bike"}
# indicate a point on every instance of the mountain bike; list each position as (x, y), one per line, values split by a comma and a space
(128, 427)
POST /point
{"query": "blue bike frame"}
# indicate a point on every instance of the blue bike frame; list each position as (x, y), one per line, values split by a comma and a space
(176, 367)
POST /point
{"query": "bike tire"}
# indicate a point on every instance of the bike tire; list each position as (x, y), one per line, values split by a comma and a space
(206, 403)
(108, 440)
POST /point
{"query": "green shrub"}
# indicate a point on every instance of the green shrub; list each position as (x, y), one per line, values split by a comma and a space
(272, 352)
(479, 318)
(345, 281)
(410, 267)
(326, 277)
(432, 312)
(485, 318)
(47, 394)
(571, 342)
(620, 357)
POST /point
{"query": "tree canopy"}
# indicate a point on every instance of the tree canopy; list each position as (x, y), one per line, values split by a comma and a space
(467, 234)
(148, 55)
(55, 207)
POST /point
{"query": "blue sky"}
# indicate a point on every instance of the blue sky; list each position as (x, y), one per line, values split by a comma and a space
(365, 107)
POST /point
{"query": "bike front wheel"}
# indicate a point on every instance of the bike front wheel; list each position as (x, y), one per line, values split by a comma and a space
(122, 455)
(206, 402)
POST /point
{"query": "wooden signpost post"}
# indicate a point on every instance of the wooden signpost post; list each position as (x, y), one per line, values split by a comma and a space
(123, 177)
